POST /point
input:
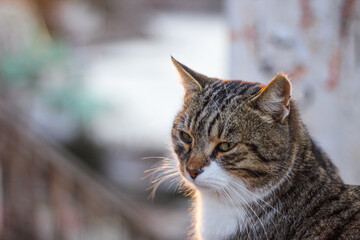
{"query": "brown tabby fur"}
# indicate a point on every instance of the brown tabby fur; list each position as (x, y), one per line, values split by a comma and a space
(303, 195)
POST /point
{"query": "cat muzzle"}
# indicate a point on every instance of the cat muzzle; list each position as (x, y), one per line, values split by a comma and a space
(194, 172)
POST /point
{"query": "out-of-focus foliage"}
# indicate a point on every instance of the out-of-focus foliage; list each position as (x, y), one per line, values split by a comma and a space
(23, 67)
(27, 70)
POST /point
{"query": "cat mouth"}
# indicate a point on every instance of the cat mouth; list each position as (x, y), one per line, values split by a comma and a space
(196, 183)
(201, 185)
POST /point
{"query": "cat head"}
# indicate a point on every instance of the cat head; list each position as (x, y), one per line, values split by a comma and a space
(232, 133)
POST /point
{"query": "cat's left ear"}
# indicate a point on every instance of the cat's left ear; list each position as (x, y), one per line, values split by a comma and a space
(274, 98)
(191, 80)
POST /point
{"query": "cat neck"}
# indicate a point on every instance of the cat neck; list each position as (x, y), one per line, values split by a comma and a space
(311, 168)
(307, 155)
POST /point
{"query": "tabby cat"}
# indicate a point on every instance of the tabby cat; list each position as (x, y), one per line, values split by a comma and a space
(255, 171)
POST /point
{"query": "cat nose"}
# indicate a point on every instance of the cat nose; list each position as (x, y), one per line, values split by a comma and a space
(194, 172)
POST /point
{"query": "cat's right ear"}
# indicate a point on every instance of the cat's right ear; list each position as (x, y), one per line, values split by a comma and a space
(274, 98)
(191, 80)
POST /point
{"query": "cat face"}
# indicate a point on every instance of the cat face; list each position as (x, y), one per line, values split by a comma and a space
(232, 133)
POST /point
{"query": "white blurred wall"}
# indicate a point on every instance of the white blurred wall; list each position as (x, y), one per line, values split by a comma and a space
(138, 78)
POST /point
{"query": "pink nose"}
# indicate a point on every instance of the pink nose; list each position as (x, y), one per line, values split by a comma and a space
(194, 172)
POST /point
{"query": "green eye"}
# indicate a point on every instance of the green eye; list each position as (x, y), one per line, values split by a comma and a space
(185, 137)
(226, 146)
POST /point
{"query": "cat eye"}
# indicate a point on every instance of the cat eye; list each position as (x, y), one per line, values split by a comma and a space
(225, 146)
(185, 137)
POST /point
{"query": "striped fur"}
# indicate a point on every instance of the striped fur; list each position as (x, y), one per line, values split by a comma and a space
(276, 183)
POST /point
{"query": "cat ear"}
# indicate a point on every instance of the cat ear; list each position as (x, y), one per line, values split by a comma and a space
(274, 98)
(191, 80)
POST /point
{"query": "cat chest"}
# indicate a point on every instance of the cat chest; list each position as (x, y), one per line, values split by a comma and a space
(219, 221)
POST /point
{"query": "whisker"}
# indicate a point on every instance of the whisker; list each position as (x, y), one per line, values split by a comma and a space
(164, 170)
(257, 198)
(239, 202)
(153, 157)
(253, 211)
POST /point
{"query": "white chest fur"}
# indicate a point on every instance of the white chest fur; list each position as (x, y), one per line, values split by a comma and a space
(215, 220)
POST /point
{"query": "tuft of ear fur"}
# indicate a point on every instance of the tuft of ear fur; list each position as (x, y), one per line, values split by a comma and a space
(274, 98)
(191, 80)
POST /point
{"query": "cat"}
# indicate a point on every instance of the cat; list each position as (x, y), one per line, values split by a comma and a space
(255, 170)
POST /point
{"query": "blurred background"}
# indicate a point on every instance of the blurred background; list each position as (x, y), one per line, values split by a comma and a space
(88, 94)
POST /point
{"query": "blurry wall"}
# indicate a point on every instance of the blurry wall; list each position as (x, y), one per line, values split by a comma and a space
(46, 194)
(318, 44)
